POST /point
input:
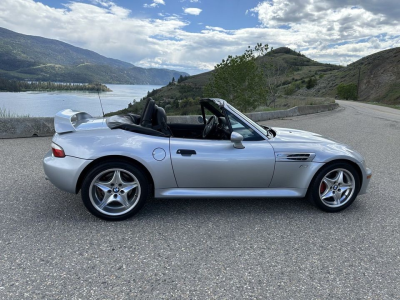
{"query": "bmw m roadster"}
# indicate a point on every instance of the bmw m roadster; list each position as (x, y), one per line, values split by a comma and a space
(120, 161)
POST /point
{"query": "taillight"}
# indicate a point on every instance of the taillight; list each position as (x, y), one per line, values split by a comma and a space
(57, 150)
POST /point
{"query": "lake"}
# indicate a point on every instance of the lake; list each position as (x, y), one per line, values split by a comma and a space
(47, 104)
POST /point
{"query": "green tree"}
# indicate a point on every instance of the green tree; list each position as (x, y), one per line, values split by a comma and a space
(347, 91)
(239, 80)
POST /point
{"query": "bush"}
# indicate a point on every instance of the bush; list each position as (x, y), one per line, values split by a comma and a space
(347, 91)
(292, 88)
(311, 82)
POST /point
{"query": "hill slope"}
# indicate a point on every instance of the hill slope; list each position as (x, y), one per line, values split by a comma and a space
(25, 57)
(379, 78)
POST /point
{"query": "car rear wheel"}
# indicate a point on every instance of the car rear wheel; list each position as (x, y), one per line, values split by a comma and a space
(114, 191)
(335, 187)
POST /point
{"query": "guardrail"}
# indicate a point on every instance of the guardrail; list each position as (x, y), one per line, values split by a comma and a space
(34, 127)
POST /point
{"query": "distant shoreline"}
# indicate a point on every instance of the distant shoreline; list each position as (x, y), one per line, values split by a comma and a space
(39, 86)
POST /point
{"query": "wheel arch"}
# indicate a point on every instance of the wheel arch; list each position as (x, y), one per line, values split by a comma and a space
(350, 162)
(115, 158)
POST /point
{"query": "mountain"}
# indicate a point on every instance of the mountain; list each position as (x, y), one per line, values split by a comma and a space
(25, 57)
(378, 75)
(297, 69)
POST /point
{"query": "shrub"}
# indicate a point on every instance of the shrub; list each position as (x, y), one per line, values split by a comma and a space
(311, 82)
(347, 91)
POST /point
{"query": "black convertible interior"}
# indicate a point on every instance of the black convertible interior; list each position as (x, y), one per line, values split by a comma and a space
(153, 121)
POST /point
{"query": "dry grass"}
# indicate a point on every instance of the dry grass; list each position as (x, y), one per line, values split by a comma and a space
(5, 113)
(286, 102)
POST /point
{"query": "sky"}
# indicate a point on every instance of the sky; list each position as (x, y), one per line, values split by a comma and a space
(194, 35)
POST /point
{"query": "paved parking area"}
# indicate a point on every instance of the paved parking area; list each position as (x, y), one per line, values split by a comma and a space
(52, 248)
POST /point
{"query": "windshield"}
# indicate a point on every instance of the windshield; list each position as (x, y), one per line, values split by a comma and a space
(243, 116)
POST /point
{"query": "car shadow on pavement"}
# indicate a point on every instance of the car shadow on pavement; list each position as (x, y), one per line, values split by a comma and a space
(229, 207)
(69, 207)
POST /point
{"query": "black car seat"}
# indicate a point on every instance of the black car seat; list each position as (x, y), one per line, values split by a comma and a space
(160, 121)
(147, 115)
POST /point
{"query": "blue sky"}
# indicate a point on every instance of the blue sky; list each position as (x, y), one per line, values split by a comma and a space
(218, 13)
(194, 35)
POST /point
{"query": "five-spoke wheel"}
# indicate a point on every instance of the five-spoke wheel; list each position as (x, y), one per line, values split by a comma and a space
(335, 187)
(114, 191)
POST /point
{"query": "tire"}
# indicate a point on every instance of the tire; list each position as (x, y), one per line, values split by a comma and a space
(115, 191)
(335, 187)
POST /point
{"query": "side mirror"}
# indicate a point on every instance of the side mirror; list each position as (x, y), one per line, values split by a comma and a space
(236, 139)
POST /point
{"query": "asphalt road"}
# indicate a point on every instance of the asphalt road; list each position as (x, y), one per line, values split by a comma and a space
(52, 248)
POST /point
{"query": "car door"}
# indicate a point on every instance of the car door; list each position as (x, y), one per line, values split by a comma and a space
(211, 163)
(217, 164)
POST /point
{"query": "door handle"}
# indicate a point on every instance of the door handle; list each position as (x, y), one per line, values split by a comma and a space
(185, 152)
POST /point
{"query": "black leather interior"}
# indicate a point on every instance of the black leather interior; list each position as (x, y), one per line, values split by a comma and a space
(146, 120)
(190, 131)
(160, 121)
(153, 121)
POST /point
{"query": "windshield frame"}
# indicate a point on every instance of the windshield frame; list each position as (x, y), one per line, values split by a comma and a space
(263, 132)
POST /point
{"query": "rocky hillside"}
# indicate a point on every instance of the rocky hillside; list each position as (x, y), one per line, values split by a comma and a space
(378, 75)
(25, 57)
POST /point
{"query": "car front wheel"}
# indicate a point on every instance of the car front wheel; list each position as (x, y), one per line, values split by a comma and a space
(114, 191)
(335, 187)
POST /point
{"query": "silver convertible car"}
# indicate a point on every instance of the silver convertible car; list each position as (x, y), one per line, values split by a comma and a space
(120, 161)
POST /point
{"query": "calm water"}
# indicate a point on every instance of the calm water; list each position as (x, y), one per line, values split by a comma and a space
(47, 104)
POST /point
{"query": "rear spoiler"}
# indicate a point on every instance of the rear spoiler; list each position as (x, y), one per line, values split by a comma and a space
(65, 120)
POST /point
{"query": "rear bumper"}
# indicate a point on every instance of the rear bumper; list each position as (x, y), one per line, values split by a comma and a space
(366, 180)
(64, 172)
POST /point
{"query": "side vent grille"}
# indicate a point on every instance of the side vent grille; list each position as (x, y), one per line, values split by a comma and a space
(297, 156)
(280, 156)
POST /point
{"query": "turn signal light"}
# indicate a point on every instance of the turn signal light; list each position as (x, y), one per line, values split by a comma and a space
(57, 150)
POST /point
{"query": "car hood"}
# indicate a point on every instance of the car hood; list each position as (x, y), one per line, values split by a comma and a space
(325, 149)
(293, 135)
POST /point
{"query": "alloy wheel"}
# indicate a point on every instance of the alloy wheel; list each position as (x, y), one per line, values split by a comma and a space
(337, 187)
(114, 192)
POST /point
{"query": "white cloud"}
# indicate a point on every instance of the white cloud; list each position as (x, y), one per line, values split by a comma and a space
(154, 4)
(192, 11)
(326, 29)
(322, 32)
(216, 28)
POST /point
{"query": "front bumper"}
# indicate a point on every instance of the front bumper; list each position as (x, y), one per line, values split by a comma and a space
(366, 180)
(64, 172)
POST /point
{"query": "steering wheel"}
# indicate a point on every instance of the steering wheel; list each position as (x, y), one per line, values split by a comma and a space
(210, 126)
